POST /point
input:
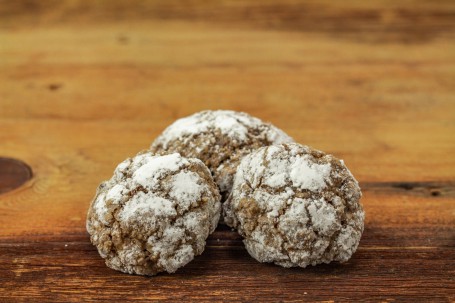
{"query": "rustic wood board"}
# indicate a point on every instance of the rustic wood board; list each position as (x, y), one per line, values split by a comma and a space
(83, 85)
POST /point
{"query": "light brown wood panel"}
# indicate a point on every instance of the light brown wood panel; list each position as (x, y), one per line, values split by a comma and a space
(83, 85)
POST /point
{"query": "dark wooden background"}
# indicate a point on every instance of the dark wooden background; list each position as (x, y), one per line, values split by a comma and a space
(85, 84)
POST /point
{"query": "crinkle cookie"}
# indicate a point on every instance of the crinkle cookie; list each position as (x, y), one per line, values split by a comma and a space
(154, 214)
(295, 206)
(220, 139)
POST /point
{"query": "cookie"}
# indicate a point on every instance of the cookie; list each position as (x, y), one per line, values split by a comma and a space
(295, 206)
(220, 139)
(154, 214)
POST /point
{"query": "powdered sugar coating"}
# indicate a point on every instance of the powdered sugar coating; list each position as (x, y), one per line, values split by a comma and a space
(154, 214)
(220, 139)
(295, 206)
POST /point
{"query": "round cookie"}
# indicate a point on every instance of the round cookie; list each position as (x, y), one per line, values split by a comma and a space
(295, 206)
(220, 139)
(154, 214)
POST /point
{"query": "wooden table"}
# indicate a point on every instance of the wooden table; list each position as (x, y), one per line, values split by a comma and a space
(84, 85)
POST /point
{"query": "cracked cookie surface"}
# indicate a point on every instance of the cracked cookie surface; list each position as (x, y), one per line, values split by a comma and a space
(295, 206)
(154, 214)
(220, 139)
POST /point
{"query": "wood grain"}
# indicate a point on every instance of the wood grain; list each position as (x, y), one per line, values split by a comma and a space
(83, 85)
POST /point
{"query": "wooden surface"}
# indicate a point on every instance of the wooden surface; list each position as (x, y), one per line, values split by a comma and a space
(85, 84)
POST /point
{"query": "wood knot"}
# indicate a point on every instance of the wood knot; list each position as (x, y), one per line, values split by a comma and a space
(13, 174)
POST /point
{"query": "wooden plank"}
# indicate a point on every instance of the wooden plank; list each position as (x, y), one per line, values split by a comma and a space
(421, 155)
(77, 271)
(85, 85)
(45, 210)
(376, 21)
(385, 105)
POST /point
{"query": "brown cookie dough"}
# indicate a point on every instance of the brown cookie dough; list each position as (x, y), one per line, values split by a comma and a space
(154, 214)
(295, 206)
(220, 139)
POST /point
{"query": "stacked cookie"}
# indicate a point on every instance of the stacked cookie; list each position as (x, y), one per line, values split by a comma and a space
(293, 205)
